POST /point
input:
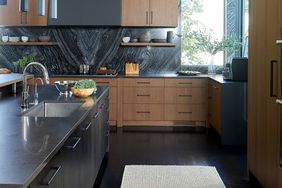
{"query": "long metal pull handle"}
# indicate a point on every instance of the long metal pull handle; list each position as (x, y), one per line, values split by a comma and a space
(96, 115)
(185, 83)
(141, 95)
(56, 171)
(87, 127)
(53, 9)
(147, 17)
(143, 82)
(77, 140)
(184, 95)
(271, 78)
(184, 112)
(143, 112)
(151, 17)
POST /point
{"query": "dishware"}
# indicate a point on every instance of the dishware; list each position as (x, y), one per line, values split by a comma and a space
(159, 40)
(5, 38)
(14, 39)
(24, 38)
(83, 92)
(44, 38)
(170, 36)
(64, 87)
(145, 37)
(126, 39)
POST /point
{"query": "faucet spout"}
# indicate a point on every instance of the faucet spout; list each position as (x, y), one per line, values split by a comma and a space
(25, 92)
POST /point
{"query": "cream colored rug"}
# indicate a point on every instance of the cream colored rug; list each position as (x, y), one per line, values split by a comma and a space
(154, 176)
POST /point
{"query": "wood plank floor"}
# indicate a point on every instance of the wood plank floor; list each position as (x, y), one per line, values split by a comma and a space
(167, 148)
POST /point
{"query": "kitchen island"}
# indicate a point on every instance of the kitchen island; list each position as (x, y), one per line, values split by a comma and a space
(31, 146)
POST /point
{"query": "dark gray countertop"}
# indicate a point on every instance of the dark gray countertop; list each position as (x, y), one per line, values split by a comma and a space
(28, 143)
(218, 77)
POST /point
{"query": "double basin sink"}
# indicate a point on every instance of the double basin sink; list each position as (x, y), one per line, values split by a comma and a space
(52, 109)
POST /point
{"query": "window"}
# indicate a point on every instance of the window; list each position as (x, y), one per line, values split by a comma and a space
(201, 20)
(245, 30)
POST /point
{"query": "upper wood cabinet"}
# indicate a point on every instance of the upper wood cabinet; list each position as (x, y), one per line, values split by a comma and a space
(24, 13)
(149, 13)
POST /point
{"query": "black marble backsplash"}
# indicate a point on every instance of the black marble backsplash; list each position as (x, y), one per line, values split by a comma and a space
(95, 46)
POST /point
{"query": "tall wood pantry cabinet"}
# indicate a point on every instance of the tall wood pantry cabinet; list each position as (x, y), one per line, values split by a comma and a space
(264, 88)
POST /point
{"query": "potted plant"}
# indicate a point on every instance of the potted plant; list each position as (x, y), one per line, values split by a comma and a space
(84, 88)
(206, 41)
(23, 62)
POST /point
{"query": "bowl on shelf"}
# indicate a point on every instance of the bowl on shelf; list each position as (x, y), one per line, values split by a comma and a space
(64, 87)
(14, 39)
(126, 39)
(5, 38)
(44, 38)
(83, 93)
(24, 38)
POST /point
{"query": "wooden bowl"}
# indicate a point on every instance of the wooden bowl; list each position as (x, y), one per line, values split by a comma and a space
(83, 92)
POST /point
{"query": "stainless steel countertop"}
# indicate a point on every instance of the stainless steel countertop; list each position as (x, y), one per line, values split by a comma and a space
(28, 143)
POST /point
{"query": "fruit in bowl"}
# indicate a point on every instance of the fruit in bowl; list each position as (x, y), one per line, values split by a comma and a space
(84, 88)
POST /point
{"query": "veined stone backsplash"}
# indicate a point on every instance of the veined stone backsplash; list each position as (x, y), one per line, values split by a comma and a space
(95, 46)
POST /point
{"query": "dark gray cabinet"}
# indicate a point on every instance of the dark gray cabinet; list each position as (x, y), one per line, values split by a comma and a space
(78, 162)
(85, 12)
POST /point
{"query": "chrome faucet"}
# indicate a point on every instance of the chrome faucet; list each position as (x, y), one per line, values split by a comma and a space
(25, 92)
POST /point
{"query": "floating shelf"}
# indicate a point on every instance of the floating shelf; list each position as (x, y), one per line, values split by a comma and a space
(148, 44)
(28, 43)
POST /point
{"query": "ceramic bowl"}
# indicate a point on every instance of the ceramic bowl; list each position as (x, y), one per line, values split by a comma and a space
(5, 38)
(83, 93)
(14, 39)
(126, 39)
(64, 87)
(24, 38)
(44, 38)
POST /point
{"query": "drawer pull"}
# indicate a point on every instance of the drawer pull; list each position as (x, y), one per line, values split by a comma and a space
(77, 140)
(87, 127)
(143, 112)
(143, 82)
(56, 171)
(184, 95)
(184, 112)
(185, 83)
(139, 95)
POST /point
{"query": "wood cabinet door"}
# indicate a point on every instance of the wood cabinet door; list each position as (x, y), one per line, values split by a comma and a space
(10, 14)
(164, 13)
(135, 13)
(37, 14)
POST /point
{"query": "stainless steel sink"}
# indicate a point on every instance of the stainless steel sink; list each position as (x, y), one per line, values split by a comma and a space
(52, 109)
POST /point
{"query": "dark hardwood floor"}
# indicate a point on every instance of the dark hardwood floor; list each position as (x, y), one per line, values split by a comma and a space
(168, 148)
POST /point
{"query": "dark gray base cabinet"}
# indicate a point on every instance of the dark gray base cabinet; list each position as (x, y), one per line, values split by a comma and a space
(78, 162)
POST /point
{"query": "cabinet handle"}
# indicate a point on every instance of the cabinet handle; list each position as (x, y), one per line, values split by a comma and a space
(143, 82)
(77, 140)
(54, 9)
(185, 83)
(87, 127)
(147, 17)
(143, 112)
(271, 78)
(140, 95)
(279, 41)
(96, 115)
(56, 171)
(184, 95)
(184, 112)
(151, 17)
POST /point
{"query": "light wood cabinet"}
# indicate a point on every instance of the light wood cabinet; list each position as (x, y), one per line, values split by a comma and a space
(264, 88)
(24, 13)
(150, 13)
(184, 112)
(143, 112)
(214, 110)
(182, 95)
(186, 83)
(143, 82)
(143, 95)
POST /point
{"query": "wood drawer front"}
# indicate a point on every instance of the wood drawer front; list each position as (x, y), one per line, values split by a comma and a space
(113, 112)
(191, 112)
(113, 95)
(143, 82)
(143, 95)
(186, 82)
(106, 81)
(185, 95)
(143, 112)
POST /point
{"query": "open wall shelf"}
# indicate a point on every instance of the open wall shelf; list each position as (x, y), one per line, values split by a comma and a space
(28, 43)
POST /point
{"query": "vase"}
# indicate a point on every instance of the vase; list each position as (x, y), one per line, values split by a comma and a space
(211, 66)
